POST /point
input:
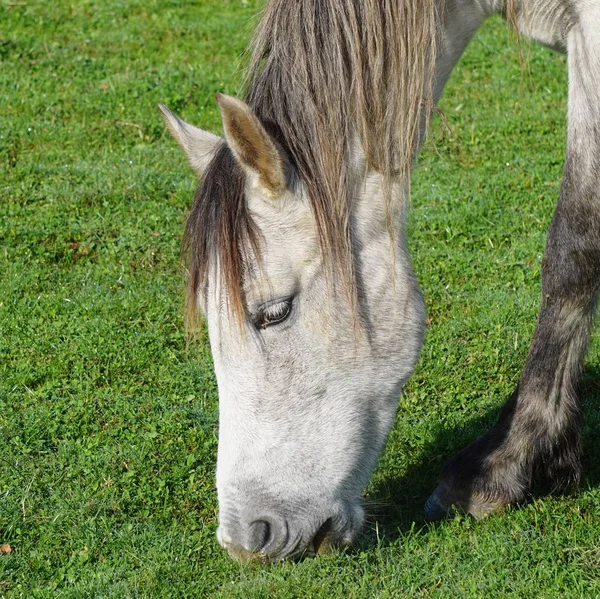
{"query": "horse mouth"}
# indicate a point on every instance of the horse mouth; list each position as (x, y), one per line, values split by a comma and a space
(321, 542)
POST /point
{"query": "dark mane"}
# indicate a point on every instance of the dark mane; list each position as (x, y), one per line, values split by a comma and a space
(323, 74)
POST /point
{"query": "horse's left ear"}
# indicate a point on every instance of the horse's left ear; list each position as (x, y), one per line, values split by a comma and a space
(199, 146)
(252, 145)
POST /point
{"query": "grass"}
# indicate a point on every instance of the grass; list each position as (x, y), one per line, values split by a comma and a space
(108, 425)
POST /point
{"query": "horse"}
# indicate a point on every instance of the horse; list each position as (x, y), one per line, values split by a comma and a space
(297, 259)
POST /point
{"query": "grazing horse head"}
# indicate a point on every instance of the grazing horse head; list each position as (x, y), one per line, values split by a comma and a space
(297, 259)
(308, 378)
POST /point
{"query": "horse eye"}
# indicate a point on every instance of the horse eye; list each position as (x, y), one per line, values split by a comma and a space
(273, 313)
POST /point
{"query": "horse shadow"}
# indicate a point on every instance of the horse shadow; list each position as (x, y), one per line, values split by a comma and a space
(395, 505)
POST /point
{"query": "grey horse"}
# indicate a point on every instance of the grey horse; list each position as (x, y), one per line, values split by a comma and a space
(297, 259)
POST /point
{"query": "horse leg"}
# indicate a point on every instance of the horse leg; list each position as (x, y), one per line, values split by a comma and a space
(537, 436)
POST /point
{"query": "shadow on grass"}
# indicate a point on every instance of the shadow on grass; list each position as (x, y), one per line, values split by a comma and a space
(396, 505)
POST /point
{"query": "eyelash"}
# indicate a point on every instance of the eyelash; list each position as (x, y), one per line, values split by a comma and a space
(273, 313)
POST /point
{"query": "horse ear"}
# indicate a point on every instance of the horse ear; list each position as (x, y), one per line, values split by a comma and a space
(199, 146)
(254, 148)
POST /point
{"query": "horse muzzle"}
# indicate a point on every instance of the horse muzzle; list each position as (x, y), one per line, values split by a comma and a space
(271, 537)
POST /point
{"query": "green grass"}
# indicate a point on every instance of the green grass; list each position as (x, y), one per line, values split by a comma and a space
(108, 426)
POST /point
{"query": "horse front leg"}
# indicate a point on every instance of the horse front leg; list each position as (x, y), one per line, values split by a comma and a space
(537, 436)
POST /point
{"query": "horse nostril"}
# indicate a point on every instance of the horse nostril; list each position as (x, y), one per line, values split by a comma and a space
(259, 535)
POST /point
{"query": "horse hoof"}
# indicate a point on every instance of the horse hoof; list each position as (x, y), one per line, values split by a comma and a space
(441, 504)
(435, 509)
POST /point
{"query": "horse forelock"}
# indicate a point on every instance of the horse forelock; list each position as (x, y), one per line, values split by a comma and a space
(220, 232)
(322, 74)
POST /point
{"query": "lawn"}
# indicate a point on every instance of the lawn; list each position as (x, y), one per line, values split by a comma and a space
(108, 419)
